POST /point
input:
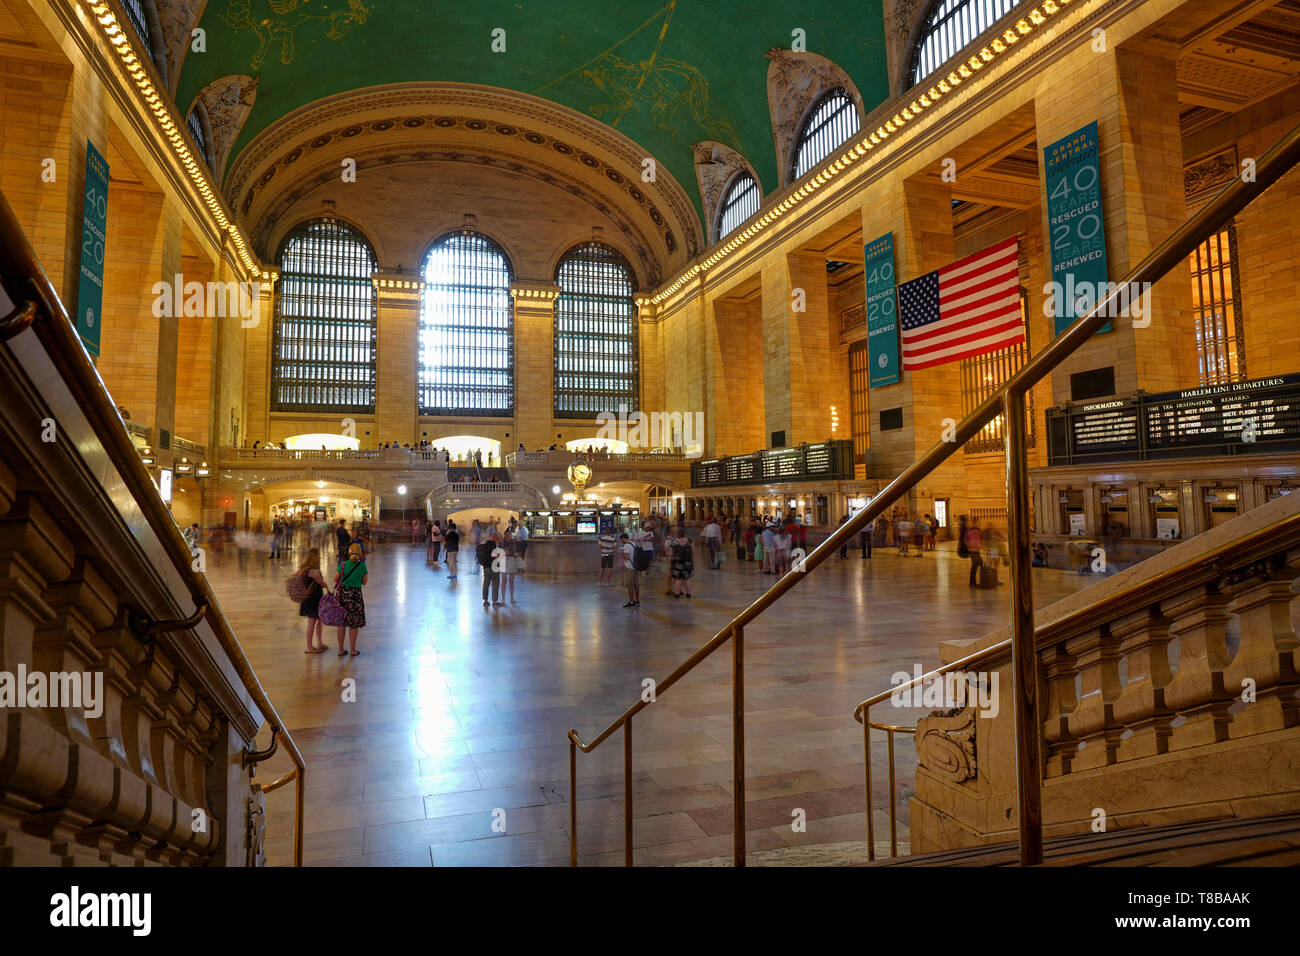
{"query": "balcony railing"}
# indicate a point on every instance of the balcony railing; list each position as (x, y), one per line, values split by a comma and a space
(559, 456)
(189, 449)
(301, 454)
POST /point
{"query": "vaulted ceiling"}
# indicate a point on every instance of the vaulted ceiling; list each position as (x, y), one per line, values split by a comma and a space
(663, 75)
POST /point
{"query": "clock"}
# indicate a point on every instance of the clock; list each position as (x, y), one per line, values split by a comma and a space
(579, 475)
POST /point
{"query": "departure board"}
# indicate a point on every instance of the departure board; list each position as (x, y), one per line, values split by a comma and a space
(1205, 420)
(1265, 410)
(1105, 427)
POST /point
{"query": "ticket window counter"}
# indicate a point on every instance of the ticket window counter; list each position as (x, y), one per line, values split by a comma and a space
(1074, 521)
(823, 513)
(1165, 514)
(1113, 506)
(579, 522)
(1222, 503)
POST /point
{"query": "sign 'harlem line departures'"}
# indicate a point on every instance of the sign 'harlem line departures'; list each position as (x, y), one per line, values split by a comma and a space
(882, 311)
(1077, 239)
(94, 223)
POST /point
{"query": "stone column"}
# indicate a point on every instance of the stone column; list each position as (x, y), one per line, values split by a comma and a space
(534, 304)
(651, 356)
(803, 376)
(1125, 89)
(257, 367)
(397, 357)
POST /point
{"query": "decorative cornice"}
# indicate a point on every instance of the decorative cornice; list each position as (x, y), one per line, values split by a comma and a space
(536, 291)
(168, 125)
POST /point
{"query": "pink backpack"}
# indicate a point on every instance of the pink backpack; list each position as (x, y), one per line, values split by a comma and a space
(298, 586)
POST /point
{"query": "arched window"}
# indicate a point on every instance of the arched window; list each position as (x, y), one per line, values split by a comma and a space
(197, 126)
(950, 26)
(741, 201)
(595, 333)
(323, 349)
(144, 21)
(467, 353)
(831, 122)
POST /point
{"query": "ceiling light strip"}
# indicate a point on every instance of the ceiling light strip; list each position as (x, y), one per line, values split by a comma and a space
(161, 109)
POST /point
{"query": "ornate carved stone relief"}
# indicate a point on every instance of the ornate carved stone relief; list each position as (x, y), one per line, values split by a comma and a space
(178, 19)
(255, 830)
(228, 101)
(1207, 176)
(901, 29)
(945, 743)
(794, 82)
(715, 165)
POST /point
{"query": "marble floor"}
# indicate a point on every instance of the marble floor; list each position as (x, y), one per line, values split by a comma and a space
(459, 722)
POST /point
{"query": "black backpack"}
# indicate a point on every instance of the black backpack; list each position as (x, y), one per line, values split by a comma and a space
(640, 558)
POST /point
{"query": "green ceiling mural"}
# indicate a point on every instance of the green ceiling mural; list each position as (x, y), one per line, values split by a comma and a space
(665, 75)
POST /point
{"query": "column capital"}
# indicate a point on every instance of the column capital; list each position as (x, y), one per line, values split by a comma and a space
(534, 293)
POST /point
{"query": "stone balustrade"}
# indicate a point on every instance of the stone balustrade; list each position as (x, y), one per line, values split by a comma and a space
(137, 760)
(1166, 691)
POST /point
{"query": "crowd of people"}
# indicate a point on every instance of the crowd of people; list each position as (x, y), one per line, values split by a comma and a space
(499, 553)
(772, 544)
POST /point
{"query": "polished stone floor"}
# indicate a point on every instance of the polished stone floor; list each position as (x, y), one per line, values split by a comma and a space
(458, 726)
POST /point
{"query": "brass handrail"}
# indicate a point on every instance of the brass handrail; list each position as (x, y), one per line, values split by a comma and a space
(58, 335)
(1008, 399)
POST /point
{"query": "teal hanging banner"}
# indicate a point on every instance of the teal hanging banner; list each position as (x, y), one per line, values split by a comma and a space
(882, 311)
(94, 223)
(1076, 235)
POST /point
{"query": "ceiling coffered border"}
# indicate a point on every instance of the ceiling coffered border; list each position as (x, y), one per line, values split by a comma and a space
(270, 223)
(528, 123)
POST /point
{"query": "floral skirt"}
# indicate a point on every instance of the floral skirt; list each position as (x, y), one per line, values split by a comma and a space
(354, 605)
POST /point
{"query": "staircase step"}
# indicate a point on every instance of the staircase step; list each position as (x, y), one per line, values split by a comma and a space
(850, 853)
(1258, 841)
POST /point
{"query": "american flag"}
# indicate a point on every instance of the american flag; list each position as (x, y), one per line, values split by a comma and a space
(964, 309)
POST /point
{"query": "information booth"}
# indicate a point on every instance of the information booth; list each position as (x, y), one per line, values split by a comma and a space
(583, 518)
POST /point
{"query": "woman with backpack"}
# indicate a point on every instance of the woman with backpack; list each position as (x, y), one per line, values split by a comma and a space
(309, 576)
(351, 579)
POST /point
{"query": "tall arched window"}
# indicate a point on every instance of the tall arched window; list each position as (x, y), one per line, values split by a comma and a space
(595, 333)
(950, 26)
(467, 353)
(829, 125)
(144, 21)
(197, 125)
(323, 348)
(741, 201)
